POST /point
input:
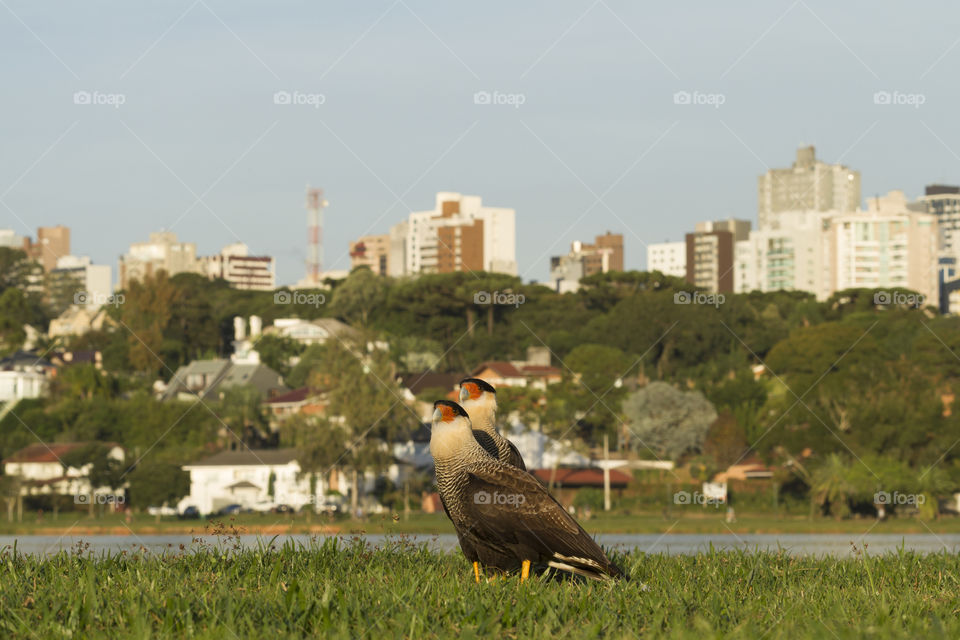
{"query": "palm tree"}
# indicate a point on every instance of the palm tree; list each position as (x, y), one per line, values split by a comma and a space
(833, 486)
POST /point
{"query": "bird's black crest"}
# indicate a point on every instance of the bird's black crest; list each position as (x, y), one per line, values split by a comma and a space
(483, 384)
(456, 408)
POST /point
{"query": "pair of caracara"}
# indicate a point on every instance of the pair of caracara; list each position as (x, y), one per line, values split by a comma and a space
(505, 519)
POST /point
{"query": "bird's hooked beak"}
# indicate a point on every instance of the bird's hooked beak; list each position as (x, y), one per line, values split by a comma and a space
(437, 415)
(464, 394)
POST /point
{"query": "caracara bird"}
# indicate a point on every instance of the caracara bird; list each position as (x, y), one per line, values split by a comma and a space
(479, 399)
(504, 518)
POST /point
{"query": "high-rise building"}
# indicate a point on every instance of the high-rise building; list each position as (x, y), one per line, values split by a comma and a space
(460, 234)
(605, 254)
(792, 257)
(241, 270)
(669, 258)
(372, 252)
(52, 243)
(10, 240)
(163, 252)
(710, 253)
(94, 279)
(943, 201)
(888, 245)
(809, 185)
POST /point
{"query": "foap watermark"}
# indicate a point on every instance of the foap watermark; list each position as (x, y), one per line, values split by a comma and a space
(299, 98)
(685, 497)
(499, 98)
(899, 298)
(485, 497)
(98, 498)
(115, 100)
(699, 297)
(98, 298)
(504, 298)
(899, 98)
(299, 297)
(700, 98)
(897, 498)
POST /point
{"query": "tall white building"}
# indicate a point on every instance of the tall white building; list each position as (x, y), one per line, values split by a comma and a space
(162, 252)
(241, 270)
(458, 234)
(96, 279)
(669, 258)
(809, 185)
(792, 257)
(888, 245)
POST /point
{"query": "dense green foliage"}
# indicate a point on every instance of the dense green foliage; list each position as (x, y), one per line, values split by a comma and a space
(405, 591)
(794, 380)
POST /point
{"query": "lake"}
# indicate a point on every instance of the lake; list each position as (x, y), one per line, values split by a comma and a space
(668, 544)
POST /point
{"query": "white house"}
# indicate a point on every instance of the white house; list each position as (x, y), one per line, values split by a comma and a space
(308, 332)
(244, 478)
(17, 385)
(41, 471)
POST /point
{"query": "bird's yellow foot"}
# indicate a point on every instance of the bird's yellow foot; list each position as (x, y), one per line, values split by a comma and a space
(476, 572)
(525, 570)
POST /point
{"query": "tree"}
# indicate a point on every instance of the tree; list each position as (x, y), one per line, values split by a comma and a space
(153, 483)
(146, 312)
(833, 485)
(276, 352)
(365, 401)
(16, 313)
(355, 298)
(669, 422)
(241, 408)
(725, 441)
(102, 469)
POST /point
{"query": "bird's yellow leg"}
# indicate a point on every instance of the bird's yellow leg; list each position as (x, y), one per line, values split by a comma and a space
(524, 570)
(476, 572)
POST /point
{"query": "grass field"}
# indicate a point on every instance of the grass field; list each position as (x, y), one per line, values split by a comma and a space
(345, 590)
(678, 521)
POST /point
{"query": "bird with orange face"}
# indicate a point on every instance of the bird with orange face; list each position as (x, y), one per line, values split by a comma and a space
(504, 518)
(479, 399)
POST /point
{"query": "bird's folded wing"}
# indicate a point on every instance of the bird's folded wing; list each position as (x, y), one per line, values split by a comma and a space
(505, 499)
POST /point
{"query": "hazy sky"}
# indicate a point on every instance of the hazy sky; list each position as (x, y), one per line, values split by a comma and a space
(200, 147)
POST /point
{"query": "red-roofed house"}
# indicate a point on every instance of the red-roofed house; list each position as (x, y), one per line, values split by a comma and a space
(584, 477)
(501, 373)
(41, 471)
(303, 400)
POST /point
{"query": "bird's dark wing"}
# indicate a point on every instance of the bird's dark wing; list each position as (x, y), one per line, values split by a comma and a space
(508, 508)
(515, 458)
(486, 441)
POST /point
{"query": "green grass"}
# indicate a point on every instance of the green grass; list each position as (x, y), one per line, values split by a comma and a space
(343, 590)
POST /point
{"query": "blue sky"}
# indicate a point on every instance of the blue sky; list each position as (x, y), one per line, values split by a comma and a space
(598, 144)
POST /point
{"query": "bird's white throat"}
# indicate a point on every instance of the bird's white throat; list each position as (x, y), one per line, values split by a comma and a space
(448, 438)
(482, 412)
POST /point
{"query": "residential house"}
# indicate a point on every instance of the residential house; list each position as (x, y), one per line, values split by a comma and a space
(250, 477)
(25, 375)
(209, 379)
(309, 332)
(304, 401)
(42, 472)
(77, 320)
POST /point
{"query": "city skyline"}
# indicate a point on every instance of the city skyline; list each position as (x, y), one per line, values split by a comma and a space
(208, 119)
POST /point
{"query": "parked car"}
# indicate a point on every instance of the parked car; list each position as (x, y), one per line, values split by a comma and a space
(283, 508)
(264, 506)
(230, 509)
(189, 513)
(162, 511)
